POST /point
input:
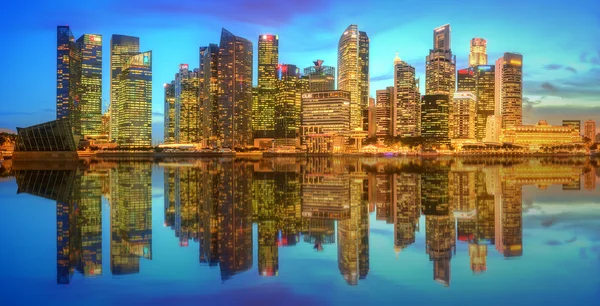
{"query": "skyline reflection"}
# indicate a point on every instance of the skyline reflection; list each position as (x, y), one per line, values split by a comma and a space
(214, 204)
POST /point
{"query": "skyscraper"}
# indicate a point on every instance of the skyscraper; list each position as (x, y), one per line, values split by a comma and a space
(353, 72)
(575, 124)
(67, 68)
(589, 129)
(187, 107)
(134, 102)
(89, 83)
(121, 47)
(509, 89)
(464, 115)
(169, 113)
(263, 112)
(384, 115)
(434, 119)
(235, 90)
(478, 54)
(440, 64)
(320, 78)
(209, 66)
(288, 101)
(406, 104)
(485, 96)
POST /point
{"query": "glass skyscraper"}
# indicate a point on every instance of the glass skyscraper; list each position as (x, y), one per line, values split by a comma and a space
(478, 54)
(290, 87)
(509, 89)
(235, 91)
(406, 105)
(353, 72)
(169, 116)
(263, 112)
(440, 64)
(320, 78)
(209, 92)
(121, 47)
(187, 107)
(134, 102)
(435, 112)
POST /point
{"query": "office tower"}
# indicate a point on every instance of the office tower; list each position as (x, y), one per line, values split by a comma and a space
(406, 104)
(67, 64)
(263, 203)
(89, 83)
(466, 80)
(440, 74)
(575, 124)
(288, 100)
(509, 89)
(434, 119)
(320, 78)
(326, 112)
(353, 238)
(263, 112)
(89, 223)
(464, 115)
(478, 54)
(589, 129)
(372, 115)
(509, 237)
(235, 91)
(131, 215)
(187, 107)
(105, 127)
(134, 102)
(383, 112)
(121, 48)
(493, 129)
(353, 72)
(406, 206)
(209, 64)
(169, 112)
(485, 97)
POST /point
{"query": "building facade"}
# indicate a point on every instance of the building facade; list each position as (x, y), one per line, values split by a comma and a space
(187, 107)
(405, 102)
(435, 111)
(67, 71)
(290, 86)
(384, 113)
(353, 71)
(589, 129)
(90, 83)
(478, 53)
(464, 115)
(134, 102)
(209, 93)
(440, 74)
(540, 135)
(263, 112)
(169, 113)
(509, 89)
(574, 124)
(320, 78)
(121, 48)
(235, 91)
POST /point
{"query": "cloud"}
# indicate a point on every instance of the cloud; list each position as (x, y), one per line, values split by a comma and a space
(157, 114)
(569, 68)
(383, 77)
(553, 67)
(549, 87)
(24, 113)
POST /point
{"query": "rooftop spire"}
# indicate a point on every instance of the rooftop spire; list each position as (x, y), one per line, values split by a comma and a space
(397, 58)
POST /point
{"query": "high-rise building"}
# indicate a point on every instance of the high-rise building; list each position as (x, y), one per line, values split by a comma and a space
(575, 124)
(440, 74)
(288, 99)
(493, 129)
(353, 72)
(263, 112)
(434, 119)
(187, 107)
(105, 127)
(589, 129)
(464, 115)
(320, 78)
(235, 90)
(209, 92)
(326, 112)
(134, 102)
(121, 48)
(67, 64)
(466, 80)
(383, 112)
(406, 104)
(372, 115)
(169, 112)
(485, 96)
(509, 89)
(478, 54)
(89, 83)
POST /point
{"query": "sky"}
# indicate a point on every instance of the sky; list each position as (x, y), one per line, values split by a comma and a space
(558, 40)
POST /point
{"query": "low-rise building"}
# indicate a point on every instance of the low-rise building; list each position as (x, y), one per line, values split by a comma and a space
(541, 135)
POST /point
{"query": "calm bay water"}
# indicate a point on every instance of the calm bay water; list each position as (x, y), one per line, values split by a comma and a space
(287, 231)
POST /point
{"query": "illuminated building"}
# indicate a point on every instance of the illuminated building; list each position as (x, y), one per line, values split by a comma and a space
(208, 230)
(131, 216)
(89, 222)
(509, 229)
(46, 141)
(320, 78)
(481, 81)
(478, 54)
(434, 119)
(324, 113)
(406, 104)
(288, 100)
(372, 118)
(589, 129)
(105, 127)
(353, 72)
(383, 112)
(477, 257)
(235, 91)
(187, 107)
(169, 113)
(323, 196)
(574, 124)
(66, 75)
(464, 115)
(263, 112)
(509, 89)
(440, 74)
(406, 189)
(493, 129)
(121, 48)
(540, 135)
(263, 200)
(89, 90)
(134, 102)
(353, 237)
(209, 95)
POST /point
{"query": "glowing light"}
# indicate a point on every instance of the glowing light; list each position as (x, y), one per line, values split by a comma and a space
(515, 62)
(264, 37)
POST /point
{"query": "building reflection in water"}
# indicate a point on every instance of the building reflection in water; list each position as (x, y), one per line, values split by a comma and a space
(322, 201)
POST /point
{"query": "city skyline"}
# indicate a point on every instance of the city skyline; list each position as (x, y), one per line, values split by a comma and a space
(557, 84)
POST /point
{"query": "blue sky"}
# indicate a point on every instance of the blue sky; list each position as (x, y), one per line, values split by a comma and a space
(557, 39)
